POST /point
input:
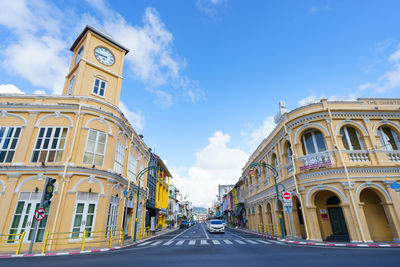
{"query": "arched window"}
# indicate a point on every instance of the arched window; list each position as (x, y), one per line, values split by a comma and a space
(274, 161)
(313, 142)
(289, 152)
(389, 138)
(351, 138)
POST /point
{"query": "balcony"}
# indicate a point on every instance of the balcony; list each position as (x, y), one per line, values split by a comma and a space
(393, 155)
(358, 155)
(315, 161)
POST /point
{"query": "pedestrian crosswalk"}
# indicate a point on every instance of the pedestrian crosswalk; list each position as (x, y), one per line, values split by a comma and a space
(204, 242)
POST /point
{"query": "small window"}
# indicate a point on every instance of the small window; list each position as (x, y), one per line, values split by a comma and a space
(389, 138)
(9, 137)
(351, 138)
(70, 86)
(313, 142)
(79, 55)
(99, 87)
(95, 148)
(50, 144)
(119, 158)
(289, 152)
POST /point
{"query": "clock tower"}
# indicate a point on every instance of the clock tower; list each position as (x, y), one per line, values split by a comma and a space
(96, 67)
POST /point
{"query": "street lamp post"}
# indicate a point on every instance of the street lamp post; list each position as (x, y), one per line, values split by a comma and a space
(138, 176)
(263, 164)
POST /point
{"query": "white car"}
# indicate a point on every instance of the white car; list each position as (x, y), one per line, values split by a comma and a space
(216, 226)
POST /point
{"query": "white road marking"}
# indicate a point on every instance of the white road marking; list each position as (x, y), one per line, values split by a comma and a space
(227, 242)
(204, 228)
(180, 242)
(145, 243)
(216, 242)
(276, 242)
(168, 243)
(203, 242)
(265, 242)
(156, 243)
(179, 234)
(240, 241)
(192, 242)
(251, 241)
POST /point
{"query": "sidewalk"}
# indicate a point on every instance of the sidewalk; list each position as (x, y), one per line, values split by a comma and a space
(90, 250)
(326, 244)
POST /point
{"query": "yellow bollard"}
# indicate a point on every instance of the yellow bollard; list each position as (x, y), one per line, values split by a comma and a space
(21, 238)
(83, 240)
(122, 238)
(110, 238)
(46, 236)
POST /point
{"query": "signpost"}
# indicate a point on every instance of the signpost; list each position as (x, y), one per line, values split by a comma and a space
(287, 206)
(40, 214)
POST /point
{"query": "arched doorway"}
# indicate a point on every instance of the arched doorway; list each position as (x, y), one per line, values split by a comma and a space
(283, 219)
(378, 224)
(330, 217)
(297, 218)
(260, 217)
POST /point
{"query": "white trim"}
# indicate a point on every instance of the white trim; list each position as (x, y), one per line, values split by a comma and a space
(102, 120)
(36, 177)
(322, 187)
(90, 178)
(117, 185)
(309, 125)
(348, 121)
(5, 113)
(383, 122)
(371, 184)
(56, 115)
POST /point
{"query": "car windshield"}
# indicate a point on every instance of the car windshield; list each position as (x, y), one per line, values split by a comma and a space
(216, 222)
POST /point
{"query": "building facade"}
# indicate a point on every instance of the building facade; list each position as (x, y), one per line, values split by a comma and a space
(339, 160)
(151, 210)
(162, 187)
(80, 138)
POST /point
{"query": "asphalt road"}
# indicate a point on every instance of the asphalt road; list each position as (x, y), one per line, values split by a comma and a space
(196, 247)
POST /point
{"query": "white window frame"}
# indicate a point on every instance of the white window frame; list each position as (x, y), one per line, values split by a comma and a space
(346, 134)
(119, 158)
(95, 147)
(49, 148)
(86, 199)
(71, 85)
(79, 54)
(112, 218)
(33, 199)
(383, 137)
(99, 87)
(314, 142)
(132, 167)
(141, 168)
(11, 139)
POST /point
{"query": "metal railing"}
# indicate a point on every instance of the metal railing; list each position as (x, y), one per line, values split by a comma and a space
(144, 232)
(9, 240)
(269, 229)
(85, 237)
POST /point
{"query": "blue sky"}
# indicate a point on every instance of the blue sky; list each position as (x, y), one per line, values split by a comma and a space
(204, 77)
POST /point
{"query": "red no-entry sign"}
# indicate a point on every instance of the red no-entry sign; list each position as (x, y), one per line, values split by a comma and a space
(40, 214)
(287, 195)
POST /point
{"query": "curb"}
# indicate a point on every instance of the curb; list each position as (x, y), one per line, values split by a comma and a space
(82, 252)
(321, 244)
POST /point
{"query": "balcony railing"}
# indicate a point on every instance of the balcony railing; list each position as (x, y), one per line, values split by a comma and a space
(358, 155)
(317, 160)
(393, 155)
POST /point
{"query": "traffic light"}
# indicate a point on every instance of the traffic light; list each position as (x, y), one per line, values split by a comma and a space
(48, 192)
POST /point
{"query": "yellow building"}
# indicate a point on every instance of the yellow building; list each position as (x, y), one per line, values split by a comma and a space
(162, 188)
(339, 160)
(80, 138)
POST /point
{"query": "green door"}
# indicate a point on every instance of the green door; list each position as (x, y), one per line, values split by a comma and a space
(337, 220)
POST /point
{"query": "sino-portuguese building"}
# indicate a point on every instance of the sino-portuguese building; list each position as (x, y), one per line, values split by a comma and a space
(80, 138)
(340, 160)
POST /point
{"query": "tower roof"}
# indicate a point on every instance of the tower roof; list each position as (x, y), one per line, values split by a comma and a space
(102, 35)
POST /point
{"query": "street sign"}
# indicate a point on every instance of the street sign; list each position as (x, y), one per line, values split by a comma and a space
(40, 214)
(252, 172)
(288, 209)
(287, 196)
(395, 186)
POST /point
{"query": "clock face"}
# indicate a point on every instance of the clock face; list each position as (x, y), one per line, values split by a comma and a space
(104, 55)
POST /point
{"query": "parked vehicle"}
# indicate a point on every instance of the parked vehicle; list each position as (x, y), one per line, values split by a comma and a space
(216, 226)
(184, 224)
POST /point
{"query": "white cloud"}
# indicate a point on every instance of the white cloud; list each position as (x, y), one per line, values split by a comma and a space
(10, 89)
(389, 80)
(136, 119)
(210, 7)
(316, 99)
(40, 34)
(216, 164)
(255, 136)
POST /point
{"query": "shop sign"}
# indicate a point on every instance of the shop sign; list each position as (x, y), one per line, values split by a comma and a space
(324, 215)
